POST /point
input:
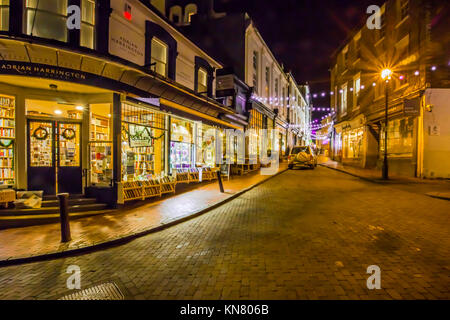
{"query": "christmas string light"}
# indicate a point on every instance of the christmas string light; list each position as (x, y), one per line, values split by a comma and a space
(332, 93)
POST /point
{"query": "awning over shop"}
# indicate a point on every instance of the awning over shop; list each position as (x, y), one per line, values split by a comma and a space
(262, 109)
(355, 123)
(22, 58)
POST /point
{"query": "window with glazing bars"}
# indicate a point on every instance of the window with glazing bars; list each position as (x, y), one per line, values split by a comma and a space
(159, 56)
(404, 8)
(46, 19)
(87, 34)
(142, 116)
(202, 81)
(255, 71)
(4, 15)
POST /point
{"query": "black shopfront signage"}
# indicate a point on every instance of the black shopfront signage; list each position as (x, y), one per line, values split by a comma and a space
(27, 69)
(44, 71)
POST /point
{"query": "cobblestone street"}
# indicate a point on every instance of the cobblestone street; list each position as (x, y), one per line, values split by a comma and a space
(305, 234)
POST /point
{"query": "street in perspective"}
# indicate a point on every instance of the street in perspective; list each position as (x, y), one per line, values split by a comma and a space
(224, 155)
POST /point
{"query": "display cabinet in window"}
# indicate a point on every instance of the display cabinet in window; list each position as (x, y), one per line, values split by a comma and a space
(7, 139)
(143, 135)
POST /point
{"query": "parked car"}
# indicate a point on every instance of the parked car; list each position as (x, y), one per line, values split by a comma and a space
(302, 156)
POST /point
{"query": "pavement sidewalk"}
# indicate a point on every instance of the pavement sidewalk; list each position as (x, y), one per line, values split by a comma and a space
(19, 245)
(437, 188)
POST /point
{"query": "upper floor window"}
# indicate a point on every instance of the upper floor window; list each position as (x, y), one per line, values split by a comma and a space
(358, 49)
(356, 90)
(159, 56)
(190, 10)
(383, 25)
(404, 9)
(4, 15)
(202, 81)
(267, 77)
(255, 71)
(344, 99)
(46, 19)
(276, 90)
(87, 23)
(175, 14)
(335, 98)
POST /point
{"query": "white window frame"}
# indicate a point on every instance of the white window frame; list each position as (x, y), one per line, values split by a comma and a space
(356, 91)
(344, 99)
(153, 59)
(202, 90)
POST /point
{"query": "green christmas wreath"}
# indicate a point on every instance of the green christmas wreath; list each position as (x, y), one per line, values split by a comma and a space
(40, 133)
(69, 134)
(5, 143)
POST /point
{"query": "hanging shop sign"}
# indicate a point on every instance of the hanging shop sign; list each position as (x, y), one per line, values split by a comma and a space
(412, 107)
(225, 82)
(225, 85)
(139, 136)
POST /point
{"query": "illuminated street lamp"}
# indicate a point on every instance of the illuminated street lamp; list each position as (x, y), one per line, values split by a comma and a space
(386, 76)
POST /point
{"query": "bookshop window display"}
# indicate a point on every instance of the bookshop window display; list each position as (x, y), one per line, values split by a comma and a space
(182, 144)
(100, 144)
(206, 145)
(7, 138)
(143, 136)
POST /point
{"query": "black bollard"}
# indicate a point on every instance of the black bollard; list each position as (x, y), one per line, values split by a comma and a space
(219, 178)
(64, 214)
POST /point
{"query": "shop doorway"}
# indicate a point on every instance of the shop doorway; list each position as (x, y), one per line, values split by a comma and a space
(54, 156)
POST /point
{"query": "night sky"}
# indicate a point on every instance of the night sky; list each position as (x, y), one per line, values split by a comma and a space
(303, 34)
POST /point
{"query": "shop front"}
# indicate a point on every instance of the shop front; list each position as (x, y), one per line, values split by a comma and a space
(85, 124)
(402, 137)
(401, 145)
(350, 142)
(282, 139)
(46, 136)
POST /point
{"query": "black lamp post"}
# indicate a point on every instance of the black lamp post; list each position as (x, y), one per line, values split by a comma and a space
(386, 75)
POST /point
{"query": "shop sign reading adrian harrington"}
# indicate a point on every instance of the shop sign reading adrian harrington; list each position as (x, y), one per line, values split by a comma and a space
(125, 41)
(39, 70)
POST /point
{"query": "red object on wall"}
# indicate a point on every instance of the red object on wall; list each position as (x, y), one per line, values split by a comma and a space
(127, 11)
